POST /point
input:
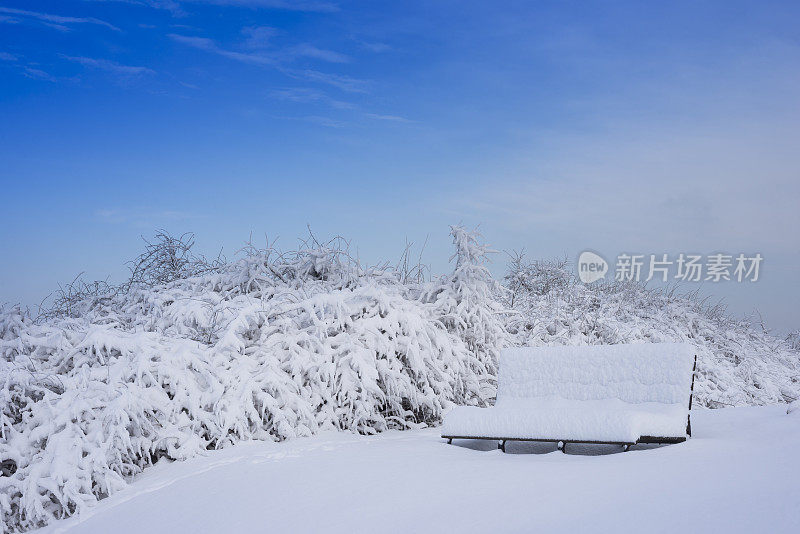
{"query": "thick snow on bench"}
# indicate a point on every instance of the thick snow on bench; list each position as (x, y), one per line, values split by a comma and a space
(612, 393)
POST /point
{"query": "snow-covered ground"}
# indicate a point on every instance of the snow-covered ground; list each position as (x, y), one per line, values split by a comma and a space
(740, 473)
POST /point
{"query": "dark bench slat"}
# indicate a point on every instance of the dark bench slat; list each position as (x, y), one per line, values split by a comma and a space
(642, 440)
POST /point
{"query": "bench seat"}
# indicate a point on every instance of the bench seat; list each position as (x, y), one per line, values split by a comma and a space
(626, 394)
(605, 421)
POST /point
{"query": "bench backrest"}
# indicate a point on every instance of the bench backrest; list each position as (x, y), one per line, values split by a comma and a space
(647, 372)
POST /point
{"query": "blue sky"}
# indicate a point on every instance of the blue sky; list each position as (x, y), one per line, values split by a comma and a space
(556, 126)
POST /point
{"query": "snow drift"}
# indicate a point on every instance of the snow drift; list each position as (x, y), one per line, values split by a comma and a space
(192, 355)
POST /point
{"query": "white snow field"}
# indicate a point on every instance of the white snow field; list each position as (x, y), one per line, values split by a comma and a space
(739, 473)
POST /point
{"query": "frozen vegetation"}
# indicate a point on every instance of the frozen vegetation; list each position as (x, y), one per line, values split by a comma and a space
(192, 355)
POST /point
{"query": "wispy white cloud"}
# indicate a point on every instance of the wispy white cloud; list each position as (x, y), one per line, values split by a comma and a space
(38, 74)
(345, 83)
(110, 66)
(374, 46)
(290, 5)
(58, 22)
(208, 45)
(306, 96)
(324, 121)
(5, 56)
(185, 27)
(393, 118)
(258, 37)
(169, 5)
(260, 56)
(311, 51)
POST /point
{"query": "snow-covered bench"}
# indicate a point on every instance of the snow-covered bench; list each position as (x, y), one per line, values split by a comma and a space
(616, 394)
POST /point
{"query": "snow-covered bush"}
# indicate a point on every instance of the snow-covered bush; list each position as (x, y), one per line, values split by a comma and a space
(191, 355)
(272, 346)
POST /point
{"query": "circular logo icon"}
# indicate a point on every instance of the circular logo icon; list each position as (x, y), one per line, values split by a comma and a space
(591, 267)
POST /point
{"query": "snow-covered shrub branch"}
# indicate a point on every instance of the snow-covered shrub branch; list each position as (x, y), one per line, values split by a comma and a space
(168, 258)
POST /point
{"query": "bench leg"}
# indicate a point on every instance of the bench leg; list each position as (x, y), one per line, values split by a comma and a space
(449, 441)
(626, 448)
(562, 446)
(502, 445)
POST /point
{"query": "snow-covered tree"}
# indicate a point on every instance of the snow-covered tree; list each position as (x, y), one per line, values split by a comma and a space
(465, 302)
